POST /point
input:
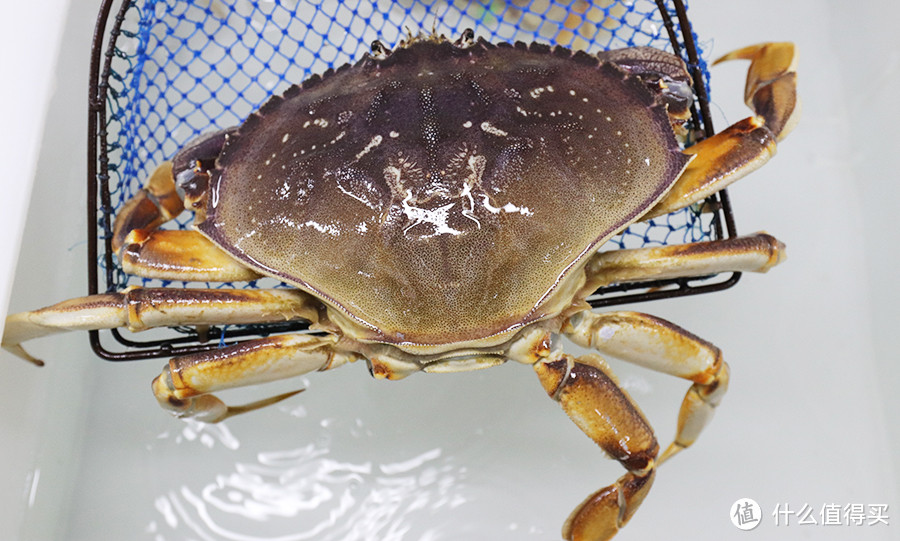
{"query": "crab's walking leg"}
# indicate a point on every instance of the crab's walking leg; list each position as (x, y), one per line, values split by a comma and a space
(662, 346)
(731, 154)
(137, 309)
(184, 384)
(593, 399)
(751, 253)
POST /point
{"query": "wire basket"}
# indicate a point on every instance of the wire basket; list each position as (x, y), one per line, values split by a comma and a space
(165, 72)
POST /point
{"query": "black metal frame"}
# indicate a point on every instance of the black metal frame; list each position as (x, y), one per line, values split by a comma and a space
(98, 186)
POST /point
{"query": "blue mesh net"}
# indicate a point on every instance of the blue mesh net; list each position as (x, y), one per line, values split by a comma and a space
(184, 68)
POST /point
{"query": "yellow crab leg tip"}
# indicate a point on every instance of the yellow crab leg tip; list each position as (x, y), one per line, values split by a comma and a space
(782, 54)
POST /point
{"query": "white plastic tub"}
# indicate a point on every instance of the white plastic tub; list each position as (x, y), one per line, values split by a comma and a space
(809, 418)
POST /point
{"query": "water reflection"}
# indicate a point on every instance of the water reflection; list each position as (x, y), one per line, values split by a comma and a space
(305, 493)
(206, 434)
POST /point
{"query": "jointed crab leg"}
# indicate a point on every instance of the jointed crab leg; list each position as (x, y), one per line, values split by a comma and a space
(771, 88)
(184, 384)
(752, 253)
(584, 387)
(771, 92)
(589, 393)
(649, 342)
(137, 309)
(662, 346)
(156, 203)
(173, 186)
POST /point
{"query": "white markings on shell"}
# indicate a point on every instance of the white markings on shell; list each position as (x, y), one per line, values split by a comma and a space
(437, 217)
(536, 92)
(328, 229)
(508, 208)
(476, 164)
(372, 144)
(353, 183)
(464, 200)
(487, 127)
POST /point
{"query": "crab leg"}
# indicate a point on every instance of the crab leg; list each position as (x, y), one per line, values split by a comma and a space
(718, 161)
(752, 253)
(174, 255)
(771, 92)
(584, 387)
(662, 346)
(184, 384)
(771, 88)
(179, 255)
(138, 309)
(156, 203)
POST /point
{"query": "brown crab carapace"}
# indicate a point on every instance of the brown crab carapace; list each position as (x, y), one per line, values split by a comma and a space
(439, 208)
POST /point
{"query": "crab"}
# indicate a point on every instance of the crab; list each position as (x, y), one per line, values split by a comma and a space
(440, 207)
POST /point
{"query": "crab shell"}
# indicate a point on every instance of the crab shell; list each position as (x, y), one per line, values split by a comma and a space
(444, 196)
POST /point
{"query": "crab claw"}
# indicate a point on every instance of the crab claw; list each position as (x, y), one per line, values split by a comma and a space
(156, 203)
(771, 88)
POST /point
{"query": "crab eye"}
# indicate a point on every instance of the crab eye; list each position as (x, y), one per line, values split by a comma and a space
(679, 89)
(466, 39)
(192, 183)
(379, 49)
